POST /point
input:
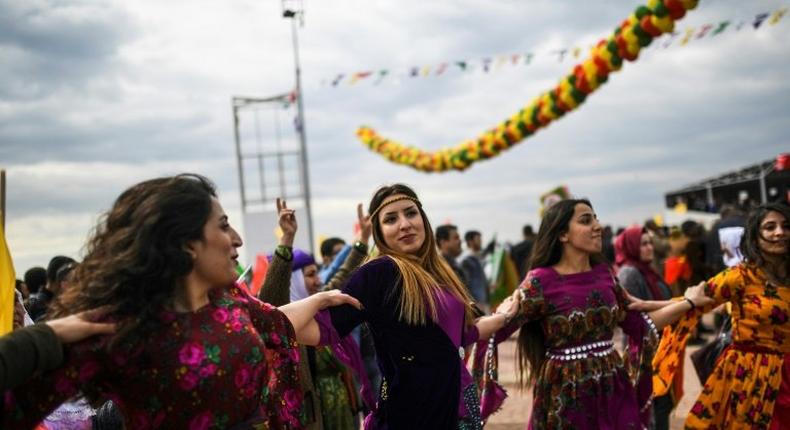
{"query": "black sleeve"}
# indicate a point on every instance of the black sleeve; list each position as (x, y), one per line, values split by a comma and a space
(368, 285)
(26, 351)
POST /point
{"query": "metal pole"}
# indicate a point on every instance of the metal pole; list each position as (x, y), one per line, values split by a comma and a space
(238, 154)
(302, 144)
(763, 194)
(2, 199)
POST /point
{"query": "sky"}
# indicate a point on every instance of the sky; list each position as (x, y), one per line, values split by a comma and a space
(98, 95)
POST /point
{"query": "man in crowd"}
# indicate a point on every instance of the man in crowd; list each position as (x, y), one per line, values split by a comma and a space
(449, 243)
(333, 253)
(39, 302)
(522, 250)
(472, 264)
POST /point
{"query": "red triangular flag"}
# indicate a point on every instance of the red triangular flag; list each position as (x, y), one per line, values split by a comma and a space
(259, 273)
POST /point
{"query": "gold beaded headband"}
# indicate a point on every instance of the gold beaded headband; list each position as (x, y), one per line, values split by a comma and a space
(393, 200)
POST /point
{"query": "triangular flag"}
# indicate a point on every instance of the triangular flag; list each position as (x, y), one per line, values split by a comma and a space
(704, 30)
(382, 74)
(777, 16)
(7, 286)
(259, 273)
(486, 64)
(687, 36)
(356, 77)
(758, 19)
(671, 36)
(722, 26)
(560, 54)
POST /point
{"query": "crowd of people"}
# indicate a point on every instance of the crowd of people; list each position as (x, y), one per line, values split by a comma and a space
(154, 327)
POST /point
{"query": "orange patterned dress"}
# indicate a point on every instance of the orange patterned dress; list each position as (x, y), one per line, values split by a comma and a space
(746, 385)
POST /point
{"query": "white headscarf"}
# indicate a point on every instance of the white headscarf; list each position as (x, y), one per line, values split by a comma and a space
(298, 289)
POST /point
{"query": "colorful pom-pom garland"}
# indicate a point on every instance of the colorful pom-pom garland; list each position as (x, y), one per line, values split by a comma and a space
(637, 31)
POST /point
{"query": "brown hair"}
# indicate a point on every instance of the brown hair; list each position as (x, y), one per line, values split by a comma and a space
(422, 274)
(136, 255)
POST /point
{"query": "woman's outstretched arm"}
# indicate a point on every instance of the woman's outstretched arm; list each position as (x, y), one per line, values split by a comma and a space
(301, 313)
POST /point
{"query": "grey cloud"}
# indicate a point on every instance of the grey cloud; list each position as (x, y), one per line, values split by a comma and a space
(51, 44)
(671, 118)
(30, 137)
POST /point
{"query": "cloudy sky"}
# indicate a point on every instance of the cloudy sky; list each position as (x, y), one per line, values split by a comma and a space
(97, 95)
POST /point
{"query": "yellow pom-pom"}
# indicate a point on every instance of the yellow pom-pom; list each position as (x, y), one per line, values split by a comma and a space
(629, 36)
(665, 24)
(689, 4)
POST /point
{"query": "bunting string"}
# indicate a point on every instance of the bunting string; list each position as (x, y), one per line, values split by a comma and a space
(636, 32)
(497, 62)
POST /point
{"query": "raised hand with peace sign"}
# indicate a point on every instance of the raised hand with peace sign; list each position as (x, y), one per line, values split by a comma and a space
(287, 222)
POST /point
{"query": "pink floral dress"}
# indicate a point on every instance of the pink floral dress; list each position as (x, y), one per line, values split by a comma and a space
(231, 364)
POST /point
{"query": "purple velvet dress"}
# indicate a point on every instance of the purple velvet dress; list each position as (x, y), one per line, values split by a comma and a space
(584, 382)
(424, 382)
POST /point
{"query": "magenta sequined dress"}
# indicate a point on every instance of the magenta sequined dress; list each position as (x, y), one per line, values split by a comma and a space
(584, 382)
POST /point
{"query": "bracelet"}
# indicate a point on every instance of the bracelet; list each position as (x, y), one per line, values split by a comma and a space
(693, 306)
(361, 247)
(504, 314)
(284, 252)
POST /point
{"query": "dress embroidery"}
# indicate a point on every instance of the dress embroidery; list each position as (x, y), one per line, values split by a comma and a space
(584, 382)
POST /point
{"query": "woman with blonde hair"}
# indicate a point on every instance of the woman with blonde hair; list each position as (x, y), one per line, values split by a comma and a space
(421, 319)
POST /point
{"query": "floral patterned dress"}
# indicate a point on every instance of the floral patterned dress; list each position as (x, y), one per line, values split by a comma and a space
(584, 382)
(337, 392)
(748, 387)
(230, 364)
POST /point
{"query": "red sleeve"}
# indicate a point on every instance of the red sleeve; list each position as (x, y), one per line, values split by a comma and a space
(283, 398)
(32, 401)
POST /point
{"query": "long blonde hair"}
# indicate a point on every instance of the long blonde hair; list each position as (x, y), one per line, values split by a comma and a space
(422, 274)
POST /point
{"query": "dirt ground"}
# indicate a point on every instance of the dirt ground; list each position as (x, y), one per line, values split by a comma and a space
(516, 410)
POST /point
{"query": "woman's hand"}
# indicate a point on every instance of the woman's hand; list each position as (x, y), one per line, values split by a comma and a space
(501, 318)
(365, 224)
(328, 299)
(636, 304)
(697, 295)
(287, 222)
(77, 327)
(509, 308)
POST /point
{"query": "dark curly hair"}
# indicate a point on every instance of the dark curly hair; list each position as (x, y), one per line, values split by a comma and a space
(136, 255)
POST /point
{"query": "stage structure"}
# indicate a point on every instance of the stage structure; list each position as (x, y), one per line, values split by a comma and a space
(272, 162)
(746, 187)
(270, 165)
